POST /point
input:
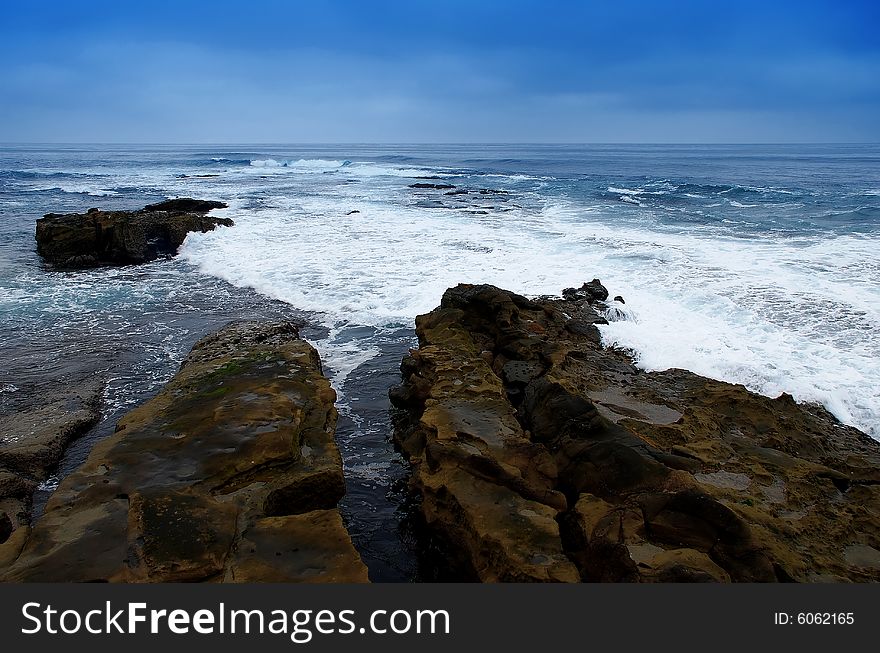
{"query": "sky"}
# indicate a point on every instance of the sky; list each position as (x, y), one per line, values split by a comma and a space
(288, 71)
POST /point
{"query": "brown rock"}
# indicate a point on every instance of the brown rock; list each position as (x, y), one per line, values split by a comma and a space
(497, 534)
(35, 433)
(311, 547)
(666, 476)
(10, 549)
(681, 566)
(484, 484)
(79, 240)
(236, 454)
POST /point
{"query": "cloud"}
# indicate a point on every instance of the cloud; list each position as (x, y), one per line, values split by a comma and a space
(400, 72)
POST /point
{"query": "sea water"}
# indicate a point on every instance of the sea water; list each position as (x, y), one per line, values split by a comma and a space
(757, 265)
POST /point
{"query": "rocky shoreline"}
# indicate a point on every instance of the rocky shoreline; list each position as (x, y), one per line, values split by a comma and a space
(536, 454)
(35, 435)
(539, 455)
(230, 474)
(51, 411)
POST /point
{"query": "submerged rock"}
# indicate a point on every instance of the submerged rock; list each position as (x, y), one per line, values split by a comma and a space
(539, 455)
(231, 473)
(81, 240)
(431, 186)
(186, 204)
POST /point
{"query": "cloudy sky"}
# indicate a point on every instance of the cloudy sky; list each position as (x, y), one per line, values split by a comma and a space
(450, 71)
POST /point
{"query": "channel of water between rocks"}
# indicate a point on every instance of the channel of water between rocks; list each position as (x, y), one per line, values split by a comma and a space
(377, 509)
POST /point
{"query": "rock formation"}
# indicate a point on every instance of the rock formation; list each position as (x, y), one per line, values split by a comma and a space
(425, 185)
(81, 240)
(540, 455)
(230, 474)
(185, 205)
(33, 437)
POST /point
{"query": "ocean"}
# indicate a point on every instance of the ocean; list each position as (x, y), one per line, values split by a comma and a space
(757, 265)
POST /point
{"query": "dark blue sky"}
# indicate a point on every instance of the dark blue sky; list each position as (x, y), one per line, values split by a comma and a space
(450, 71)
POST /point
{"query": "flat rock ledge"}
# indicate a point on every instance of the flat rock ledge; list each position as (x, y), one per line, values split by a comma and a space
(33, 438)
(230, 474)
(539, 455)
(94, 238)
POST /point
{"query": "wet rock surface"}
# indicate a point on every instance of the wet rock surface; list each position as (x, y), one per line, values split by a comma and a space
(34, 432)
(538, 455)
(83, 240)
(231, 473)
(425, 185)
(476, 201)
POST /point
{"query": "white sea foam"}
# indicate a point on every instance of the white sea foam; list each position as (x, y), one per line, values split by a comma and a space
(632, 194)
(378, 170)
(341, 354)
(740, 205)
(799, 316)
(775, 316)
(624, 191)
(50, 484)
(769, 189)
(349, 168)
(516, 177)
(299, 164)
(776, 313)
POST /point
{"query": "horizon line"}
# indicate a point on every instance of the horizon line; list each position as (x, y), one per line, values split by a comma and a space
(411, 143)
